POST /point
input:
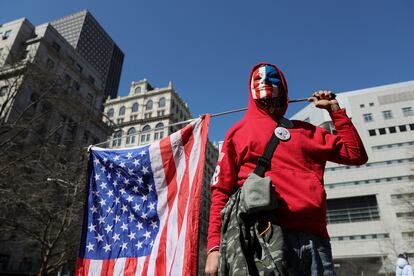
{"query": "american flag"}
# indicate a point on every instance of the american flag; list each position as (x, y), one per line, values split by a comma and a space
(143, 206)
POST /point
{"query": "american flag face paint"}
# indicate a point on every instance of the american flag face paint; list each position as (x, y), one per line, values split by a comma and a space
(265, 83)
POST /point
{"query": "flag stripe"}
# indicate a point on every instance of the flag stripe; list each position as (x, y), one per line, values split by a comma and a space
(119, 266)
(173, 221)
(188, 141)
(161, 180)
(107, 267)
(95, 267)
(130, 266)
(82, 266)
(170, 171)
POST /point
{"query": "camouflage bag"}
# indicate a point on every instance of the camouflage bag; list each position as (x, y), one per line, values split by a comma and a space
(252, 244)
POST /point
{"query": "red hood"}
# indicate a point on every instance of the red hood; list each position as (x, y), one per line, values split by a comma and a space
(254, 110)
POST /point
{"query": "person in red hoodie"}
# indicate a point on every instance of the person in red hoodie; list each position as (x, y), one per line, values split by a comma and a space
(296, 169)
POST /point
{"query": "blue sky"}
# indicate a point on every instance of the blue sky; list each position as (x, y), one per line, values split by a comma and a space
(207, 48)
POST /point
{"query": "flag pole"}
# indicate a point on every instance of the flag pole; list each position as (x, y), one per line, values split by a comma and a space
(189, 121)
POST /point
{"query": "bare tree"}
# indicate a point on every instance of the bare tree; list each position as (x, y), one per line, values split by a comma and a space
(44, 129)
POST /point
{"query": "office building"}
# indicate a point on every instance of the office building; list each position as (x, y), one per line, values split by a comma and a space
(92, 42)
(144, 116)
(370, 211)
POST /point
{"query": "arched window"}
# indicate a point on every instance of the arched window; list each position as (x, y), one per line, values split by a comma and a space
(122, 111)
(148, 106)
(131, 136)
(145, 136)
(117, 138)
(134, 107)
(138, 90)
(161, 102)
(159, 131)
(110, 113)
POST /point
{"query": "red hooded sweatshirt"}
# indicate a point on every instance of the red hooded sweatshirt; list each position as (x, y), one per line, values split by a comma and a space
(297, 166)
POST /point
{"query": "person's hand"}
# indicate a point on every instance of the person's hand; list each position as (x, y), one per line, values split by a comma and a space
(212, 263)
(324, 99)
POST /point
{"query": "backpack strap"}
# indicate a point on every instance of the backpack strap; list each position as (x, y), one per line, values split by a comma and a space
(264, 161)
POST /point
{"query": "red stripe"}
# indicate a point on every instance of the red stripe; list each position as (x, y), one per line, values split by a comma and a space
(130, 266)
(170, 178)
(108, 267)
(82, 267)
(187, 138)
(145, 268)
(191, 249)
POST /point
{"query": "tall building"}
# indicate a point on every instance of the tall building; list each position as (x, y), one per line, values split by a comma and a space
(45, 81)
(143, 117)
(370, 211)
(92, 42)
(24, 46)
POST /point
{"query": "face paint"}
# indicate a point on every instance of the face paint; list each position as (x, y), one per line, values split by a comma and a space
(265, 87)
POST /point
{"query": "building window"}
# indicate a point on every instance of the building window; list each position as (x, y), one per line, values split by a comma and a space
(405, 215)
(362, 105)
(3, 90)
(371, 104)
(122, 111)
(352, 209)
(110, 113)
(161, 102)
(56, 46)
(148, 106)
(117, 138)
(368, 117)
(134, 107)
(6, 34)
(148, 115)
(133, 117)
(372, 132)
(159, 131)
(392, 129)
(160, 113)
(138, 90)
(381, 131)
(387, 114)
(120, 120)
(407, 111)
(145, 136)
(407, 235)
(411, 126)
(131, 136)
(402, 128)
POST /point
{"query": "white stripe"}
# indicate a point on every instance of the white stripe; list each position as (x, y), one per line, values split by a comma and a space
(119, 266)
(95, 267)
(162, 206)
(262, 71)
(177, 268)
(140, 265)
(252, 88)
(172, 230)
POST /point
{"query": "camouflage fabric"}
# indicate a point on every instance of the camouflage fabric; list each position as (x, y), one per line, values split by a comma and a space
(243, 251)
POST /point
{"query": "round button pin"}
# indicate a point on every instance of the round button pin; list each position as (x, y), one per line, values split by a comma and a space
(282, 133)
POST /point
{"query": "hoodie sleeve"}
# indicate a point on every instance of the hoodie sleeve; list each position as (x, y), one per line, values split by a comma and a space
(223, 184)
(348, 148)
